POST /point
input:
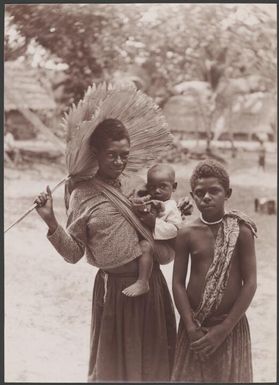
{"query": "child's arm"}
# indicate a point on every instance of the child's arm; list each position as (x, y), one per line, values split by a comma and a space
(216, 335)
(167, 226)
(182, 251)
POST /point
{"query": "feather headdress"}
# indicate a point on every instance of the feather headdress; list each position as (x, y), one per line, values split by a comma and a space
(147, 127)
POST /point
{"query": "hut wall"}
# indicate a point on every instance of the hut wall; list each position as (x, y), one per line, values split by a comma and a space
(21, 128)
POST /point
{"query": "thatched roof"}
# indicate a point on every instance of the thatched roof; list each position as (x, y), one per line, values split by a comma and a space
(23, 85)
(182, 114)
(251, 113)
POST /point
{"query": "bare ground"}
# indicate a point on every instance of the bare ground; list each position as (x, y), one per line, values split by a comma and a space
(48, 302)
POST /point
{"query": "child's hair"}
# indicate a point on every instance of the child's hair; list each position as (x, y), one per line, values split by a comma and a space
(210, 169)
(162, 167)
(107, 130)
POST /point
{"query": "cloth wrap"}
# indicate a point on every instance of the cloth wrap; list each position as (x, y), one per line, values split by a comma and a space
(232, 361)
(218, 273)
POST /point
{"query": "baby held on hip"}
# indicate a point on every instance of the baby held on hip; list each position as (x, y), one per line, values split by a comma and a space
(157, 211)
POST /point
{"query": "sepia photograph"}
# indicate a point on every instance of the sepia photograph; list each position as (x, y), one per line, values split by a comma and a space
(140, 192)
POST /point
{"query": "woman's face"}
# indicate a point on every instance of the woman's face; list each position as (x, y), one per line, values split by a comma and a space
(113, 158)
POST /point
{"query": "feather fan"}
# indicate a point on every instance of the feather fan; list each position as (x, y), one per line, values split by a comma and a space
(143, 119)
(147, 127)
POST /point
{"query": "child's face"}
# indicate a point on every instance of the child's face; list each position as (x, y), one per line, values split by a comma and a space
(160, 186)
(210, 196)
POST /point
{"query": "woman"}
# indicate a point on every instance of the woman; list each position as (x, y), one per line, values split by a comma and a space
(132, 338)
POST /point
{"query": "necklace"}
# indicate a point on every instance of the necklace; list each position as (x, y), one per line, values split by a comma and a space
(210, 223)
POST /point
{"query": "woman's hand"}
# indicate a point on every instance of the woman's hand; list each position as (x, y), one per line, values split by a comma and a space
(185, 206)
(45, 209)
(148, 219)
(207, 345)
(139, 205)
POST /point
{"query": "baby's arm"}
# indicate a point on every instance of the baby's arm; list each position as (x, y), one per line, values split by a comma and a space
(167, 226)
(181, 261)
(246, 254)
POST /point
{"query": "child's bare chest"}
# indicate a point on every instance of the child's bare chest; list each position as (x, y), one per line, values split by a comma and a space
(202, 245)
(202, 248)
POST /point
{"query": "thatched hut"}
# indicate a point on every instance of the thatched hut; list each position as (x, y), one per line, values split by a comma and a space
(249, 117)
(242, 111)
(24, 89)
(187, 115)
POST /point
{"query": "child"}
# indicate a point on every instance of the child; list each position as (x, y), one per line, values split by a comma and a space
(213, 343)
(160, 185)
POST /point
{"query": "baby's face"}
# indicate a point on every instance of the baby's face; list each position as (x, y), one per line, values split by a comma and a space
(160, 185)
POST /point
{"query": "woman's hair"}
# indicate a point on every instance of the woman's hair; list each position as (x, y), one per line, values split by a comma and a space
(210, 169)
(108, 130)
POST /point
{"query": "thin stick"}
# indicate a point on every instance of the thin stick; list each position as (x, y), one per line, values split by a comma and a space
(143, 203)
(34, 206)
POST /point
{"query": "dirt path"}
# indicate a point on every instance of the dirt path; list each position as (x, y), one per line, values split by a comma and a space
(48, 302)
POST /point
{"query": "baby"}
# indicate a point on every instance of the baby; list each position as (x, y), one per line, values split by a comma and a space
(157, 199)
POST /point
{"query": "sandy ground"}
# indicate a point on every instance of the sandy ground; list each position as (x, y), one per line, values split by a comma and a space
(48, 302)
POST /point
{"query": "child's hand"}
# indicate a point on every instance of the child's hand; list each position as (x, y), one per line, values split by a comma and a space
(185, 206)
(195, 335)
(207, 345)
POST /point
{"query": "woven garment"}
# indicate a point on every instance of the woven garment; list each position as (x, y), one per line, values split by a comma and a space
(124, 206)
(218, 273)
(132, 339)
(231, 362)
(96, 227)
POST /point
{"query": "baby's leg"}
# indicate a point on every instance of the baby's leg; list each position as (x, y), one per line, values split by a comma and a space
(141, 286)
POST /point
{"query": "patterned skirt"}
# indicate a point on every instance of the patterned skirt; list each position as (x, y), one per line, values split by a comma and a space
(231, 362)
(132, 339)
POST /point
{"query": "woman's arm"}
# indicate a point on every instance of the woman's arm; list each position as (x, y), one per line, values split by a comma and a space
(71, 250)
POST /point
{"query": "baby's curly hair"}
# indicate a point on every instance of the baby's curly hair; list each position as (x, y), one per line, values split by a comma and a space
(210, 169)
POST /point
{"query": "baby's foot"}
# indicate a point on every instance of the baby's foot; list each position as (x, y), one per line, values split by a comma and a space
(138, 288)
